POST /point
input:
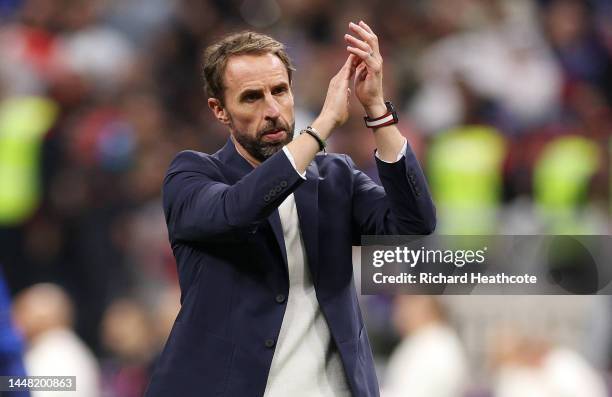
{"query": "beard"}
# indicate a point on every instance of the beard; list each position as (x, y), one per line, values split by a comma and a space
(257, 146)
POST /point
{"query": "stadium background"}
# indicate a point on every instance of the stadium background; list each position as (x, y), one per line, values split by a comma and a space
(506, 103)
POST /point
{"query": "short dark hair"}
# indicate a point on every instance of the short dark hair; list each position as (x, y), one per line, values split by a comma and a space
(216, 55)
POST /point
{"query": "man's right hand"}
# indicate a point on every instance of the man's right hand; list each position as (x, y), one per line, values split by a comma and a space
(334, 113)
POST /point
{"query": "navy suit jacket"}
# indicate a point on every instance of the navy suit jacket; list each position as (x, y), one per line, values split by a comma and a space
(227, 238)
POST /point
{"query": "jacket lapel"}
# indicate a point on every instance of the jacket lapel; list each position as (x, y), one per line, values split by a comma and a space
(277, 228)
(307, 202)
(238, 167)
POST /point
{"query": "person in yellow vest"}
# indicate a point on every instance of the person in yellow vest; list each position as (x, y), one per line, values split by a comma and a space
(24, 121)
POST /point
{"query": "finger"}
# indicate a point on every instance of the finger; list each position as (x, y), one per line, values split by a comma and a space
(355, 42)
(369, 60)
(358, 52)
(350, 61)
(368, 37)
(356, 77)
(352, 66)
(366, 27)
(349, 68)
(349, 65)
(342, 70)
(360, 73)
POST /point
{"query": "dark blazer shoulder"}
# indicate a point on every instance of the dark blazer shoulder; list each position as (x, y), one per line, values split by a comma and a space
(333, 162)
(185, 165)
(193, 161)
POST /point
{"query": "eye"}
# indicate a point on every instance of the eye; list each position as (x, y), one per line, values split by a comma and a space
(251, 97)
(279, 90)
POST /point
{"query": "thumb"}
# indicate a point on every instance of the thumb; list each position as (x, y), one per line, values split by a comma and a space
(348, 69)
(352, 66)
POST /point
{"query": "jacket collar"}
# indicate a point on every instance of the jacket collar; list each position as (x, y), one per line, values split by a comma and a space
(234, 162)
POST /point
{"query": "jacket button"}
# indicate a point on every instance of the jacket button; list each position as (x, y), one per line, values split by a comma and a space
(280, 298)
(283, 183)
(266, 198)
(278, 189)
(269, 343)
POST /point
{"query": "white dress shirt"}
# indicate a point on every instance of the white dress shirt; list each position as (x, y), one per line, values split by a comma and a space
(306, 361)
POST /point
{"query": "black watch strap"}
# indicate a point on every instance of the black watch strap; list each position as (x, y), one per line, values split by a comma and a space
(315, 134)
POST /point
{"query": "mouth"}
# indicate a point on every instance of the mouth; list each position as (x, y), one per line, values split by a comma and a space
(274, 135)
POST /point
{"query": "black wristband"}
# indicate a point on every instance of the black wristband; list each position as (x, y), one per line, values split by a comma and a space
(313, 133)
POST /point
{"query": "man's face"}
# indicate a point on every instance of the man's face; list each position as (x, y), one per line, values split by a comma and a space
(259, 103)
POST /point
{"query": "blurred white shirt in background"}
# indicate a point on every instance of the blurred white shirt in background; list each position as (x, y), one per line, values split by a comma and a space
(562, 373)
(429, 363)
(61, 352)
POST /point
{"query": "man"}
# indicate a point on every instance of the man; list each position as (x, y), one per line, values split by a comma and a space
(262, 231)
(430, 360)
(11, 342)
(43, 313)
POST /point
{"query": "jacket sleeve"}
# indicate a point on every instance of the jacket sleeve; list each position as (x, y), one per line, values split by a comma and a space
(403, 205)
(200, 207)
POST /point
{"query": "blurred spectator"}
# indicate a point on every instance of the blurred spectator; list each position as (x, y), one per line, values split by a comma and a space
(530, 367)
(43, 313)
(24, 121)
(127, 336)
(11, 344)
(166, 310)
(562, 177)
(92, 50)
(464, 170)
(430, 361)
(507, 64)
(571, 29)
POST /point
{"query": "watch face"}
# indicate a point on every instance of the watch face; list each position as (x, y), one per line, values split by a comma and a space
(391, 110)
(389, 106)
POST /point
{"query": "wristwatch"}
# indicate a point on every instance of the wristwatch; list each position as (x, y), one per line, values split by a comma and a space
(386, 119)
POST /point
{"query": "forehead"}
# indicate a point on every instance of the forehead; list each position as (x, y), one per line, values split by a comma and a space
(252, 71)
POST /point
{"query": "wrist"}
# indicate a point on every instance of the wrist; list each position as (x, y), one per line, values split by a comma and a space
(375, 110)
(324, 125)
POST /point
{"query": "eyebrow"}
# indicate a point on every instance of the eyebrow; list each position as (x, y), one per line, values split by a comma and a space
(258, 91)
(281, 85)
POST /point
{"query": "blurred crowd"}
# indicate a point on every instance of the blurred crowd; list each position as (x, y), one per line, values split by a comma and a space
(506, 102)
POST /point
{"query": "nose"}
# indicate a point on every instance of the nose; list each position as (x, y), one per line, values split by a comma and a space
(272, 110)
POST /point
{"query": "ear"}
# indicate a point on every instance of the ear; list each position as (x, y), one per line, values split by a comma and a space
(218, 110)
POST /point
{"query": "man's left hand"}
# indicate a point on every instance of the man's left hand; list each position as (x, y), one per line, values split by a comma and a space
(369, 73)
